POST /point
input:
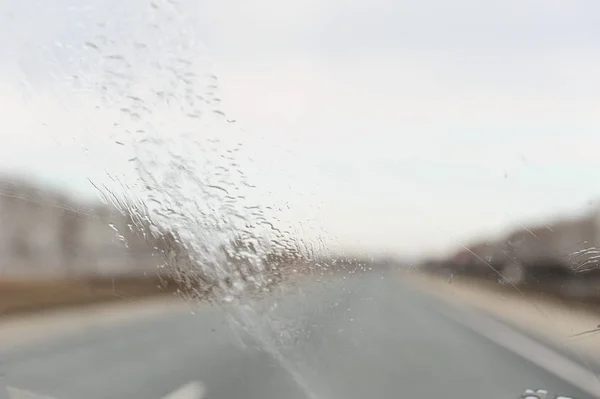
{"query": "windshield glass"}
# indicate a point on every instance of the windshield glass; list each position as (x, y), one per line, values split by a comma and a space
(299, 199)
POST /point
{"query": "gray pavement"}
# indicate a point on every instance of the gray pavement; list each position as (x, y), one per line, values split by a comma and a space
(366, 336)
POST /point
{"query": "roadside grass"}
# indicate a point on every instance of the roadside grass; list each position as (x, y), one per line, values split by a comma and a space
(19, 296)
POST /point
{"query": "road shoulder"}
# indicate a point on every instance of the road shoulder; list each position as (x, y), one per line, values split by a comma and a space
(23, 330)
(554, 323)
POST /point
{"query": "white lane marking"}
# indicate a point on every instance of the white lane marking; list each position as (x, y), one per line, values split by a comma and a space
(16, 393)
(192, 390)
(527, 348)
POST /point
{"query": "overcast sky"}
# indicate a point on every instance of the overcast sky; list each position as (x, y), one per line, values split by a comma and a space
(393, 125)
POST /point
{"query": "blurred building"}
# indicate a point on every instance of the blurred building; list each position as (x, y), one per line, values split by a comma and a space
(43, 231)
(569, 246)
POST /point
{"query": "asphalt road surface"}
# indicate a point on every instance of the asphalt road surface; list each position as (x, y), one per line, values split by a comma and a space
(366, 336)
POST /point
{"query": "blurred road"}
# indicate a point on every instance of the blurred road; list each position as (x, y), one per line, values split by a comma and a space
(367, 336)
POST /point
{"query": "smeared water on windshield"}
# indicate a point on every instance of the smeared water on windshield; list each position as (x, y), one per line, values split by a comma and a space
(141, 98)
